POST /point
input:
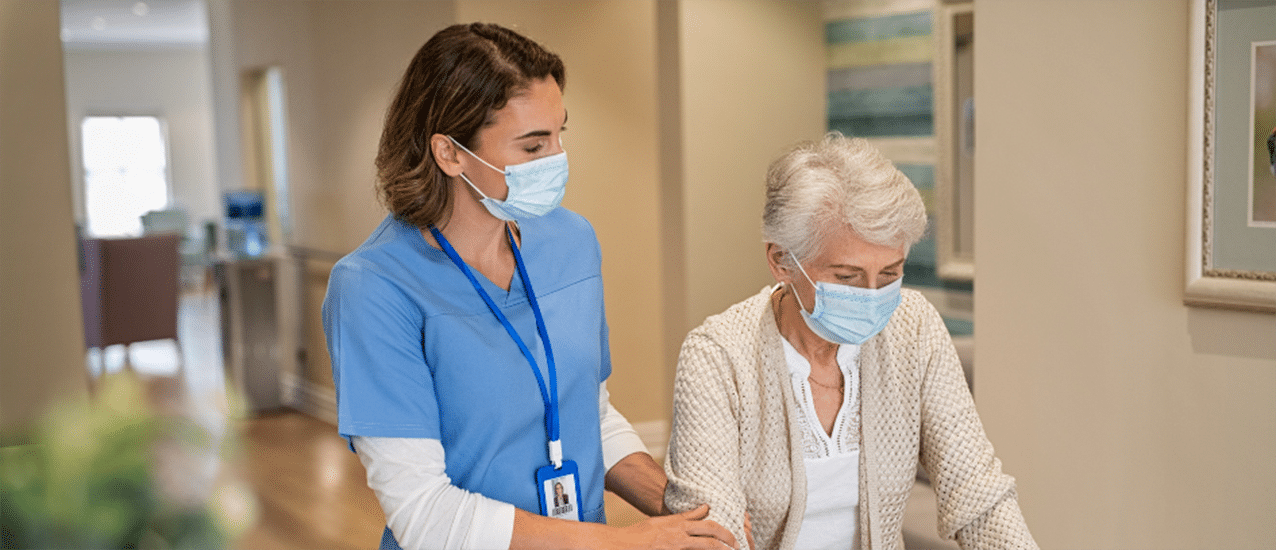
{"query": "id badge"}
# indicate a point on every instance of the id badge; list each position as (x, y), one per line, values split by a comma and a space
(559, 491)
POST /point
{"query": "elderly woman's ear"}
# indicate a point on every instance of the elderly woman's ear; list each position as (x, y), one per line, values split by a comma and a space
(775, 259)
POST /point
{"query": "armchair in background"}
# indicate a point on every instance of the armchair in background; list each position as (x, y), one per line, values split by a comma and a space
(129, 290)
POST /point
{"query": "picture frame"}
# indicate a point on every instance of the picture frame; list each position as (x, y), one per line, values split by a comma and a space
(1231, 259)
(953, 77)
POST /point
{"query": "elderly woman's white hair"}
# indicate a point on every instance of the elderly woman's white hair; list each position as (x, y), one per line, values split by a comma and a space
(818, 186)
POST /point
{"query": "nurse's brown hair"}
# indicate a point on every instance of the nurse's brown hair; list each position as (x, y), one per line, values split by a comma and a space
(458, 78)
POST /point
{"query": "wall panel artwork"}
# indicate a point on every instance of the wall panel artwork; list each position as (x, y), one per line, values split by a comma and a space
(880, 87)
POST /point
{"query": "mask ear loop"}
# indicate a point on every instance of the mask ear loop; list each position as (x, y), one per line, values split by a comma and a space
(467, 180)
(480, 159)
(808, 279)
(474, 187)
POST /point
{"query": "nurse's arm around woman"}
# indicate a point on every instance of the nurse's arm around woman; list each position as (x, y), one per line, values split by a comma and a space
(468, 341)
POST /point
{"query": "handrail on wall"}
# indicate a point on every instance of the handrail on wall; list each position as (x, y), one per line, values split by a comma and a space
(307, 253)
(302, 258)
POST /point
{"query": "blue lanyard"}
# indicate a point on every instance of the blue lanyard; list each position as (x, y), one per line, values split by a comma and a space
(550, 397)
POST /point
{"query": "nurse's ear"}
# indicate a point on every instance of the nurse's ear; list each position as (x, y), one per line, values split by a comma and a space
(446, 155)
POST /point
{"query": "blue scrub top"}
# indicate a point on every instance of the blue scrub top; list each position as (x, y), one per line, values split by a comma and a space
(417, 353)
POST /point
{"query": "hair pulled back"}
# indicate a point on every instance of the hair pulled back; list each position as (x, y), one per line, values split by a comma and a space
(454, 83)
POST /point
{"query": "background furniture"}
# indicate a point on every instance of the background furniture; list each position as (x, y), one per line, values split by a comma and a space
(251, 339)
(129, 290)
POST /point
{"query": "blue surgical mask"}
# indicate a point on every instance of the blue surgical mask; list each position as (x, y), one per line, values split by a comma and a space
(846, 314)
(535, 187)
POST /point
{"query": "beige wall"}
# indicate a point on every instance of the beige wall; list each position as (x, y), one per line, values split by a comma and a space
(1130, 420)
(753, 83)
(360, 50)
(609, 48)
(341, 61)
(41, 338)
(679, 226)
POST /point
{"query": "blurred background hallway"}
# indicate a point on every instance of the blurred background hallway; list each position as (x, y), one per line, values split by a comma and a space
(1129, 418)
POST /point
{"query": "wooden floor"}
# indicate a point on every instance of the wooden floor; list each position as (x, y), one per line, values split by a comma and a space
(312, 490)
(310, 487)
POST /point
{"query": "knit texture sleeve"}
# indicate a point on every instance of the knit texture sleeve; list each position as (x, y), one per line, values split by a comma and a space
(977, 502)
(703, 465)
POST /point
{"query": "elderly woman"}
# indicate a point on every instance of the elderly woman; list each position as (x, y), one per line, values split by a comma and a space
(808, 406)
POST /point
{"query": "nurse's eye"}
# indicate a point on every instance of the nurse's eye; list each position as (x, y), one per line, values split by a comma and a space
(534, 148)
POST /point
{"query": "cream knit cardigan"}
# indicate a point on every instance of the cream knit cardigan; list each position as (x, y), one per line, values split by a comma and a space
(735, 442)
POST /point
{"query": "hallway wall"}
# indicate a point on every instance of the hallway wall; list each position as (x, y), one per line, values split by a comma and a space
(754, 83)
(341, 62)
(676, 110)
(1129, 419)
(41, 335)
(609, 50)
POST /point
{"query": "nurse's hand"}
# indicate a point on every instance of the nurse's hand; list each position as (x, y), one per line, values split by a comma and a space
(687, 530)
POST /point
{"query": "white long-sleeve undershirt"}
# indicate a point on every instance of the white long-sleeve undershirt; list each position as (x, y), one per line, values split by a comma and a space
(425, 510)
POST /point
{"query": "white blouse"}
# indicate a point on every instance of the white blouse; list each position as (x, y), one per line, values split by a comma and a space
(832, 462)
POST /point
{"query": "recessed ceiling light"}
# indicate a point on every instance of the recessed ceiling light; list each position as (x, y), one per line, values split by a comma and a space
(99, 23)
(140, 9)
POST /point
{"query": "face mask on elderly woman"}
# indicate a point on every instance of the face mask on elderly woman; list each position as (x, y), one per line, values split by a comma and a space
(846, 314)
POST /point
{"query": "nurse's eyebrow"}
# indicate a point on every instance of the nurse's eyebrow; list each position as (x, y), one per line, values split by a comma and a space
(541, 133)
(534, 133)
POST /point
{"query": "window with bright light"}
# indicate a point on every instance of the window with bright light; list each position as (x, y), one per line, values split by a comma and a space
(125, 173)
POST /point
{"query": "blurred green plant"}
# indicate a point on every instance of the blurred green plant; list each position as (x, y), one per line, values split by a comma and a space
(113, 472)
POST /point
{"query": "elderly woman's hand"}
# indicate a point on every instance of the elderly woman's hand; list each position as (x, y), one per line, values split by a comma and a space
(688, 530)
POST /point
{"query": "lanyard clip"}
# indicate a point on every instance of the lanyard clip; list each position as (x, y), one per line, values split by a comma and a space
(556, 453)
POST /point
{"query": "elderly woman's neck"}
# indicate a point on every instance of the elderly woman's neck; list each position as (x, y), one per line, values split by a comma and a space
(788, 319)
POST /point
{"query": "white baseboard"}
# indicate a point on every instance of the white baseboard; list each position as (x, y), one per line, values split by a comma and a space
(319, 401)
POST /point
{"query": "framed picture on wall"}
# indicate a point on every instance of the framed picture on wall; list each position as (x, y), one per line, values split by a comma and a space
(954, 82)
(1231, 183)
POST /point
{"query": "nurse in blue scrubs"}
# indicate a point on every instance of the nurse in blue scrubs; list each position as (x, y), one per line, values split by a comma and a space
(467, 333)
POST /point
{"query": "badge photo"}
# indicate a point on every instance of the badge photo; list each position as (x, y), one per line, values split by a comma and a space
(559, 491)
